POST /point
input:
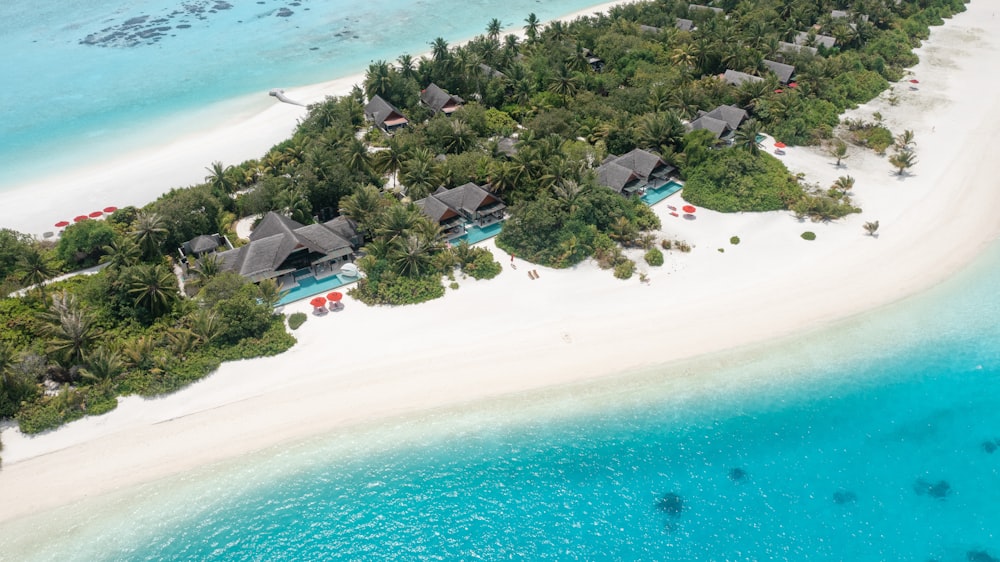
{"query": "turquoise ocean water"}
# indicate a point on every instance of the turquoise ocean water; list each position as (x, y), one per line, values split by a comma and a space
(82, 80)
(874, 439)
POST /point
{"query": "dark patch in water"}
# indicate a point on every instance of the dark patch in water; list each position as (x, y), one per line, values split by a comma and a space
(738, 474)
(989, 446)
(313, 48)
(284, 13)
(980, 556)
(141, 30)
(841, 497)
(671, 503)
(938, 490)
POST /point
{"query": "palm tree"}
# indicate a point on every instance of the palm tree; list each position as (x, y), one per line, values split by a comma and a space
(420, 176)
(181, 341)
(34, 268)
(122, 252)
(568, 194)
(838, 150)
(871, 228)
(205, 324)
(458, 138)
(904, 140)
(71, 328)
(149, 232)
(564, 83)
(493, 29)
(531, 27)
(439, 50)
(406, 66)
(503, 176)
(659, 129)
(378, 79)
(902, 161)
(139, 353)
(104, 363)
(220, 177)
(844, 184)
(413, 256)
(684, 55)
(364, 206)
(270, 292)
(397, 220)
(388, 161)
(746, 136)
(154, 288)
(357, 156)
(295, 204)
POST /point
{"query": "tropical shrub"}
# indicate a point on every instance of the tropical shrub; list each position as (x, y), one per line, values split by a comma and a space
(625, 269)
(734, 240)
(478, 263)
(296, 320)
(654, 257)
(808, 235)
(730, 180)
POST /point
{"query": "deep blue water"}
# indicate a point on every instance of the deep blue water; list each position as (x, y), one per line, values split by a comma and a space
(873, 440)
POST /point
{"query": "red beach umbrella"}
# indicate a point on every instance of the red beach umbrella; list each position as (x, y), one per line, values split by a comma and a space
(110, 210)
(779, 145)
(96, 214)
(778, 91)
(914, 81)
(318, 302)
(62, 224)
(80, 218)
(793, 85)
(334, 297)
(688, 208)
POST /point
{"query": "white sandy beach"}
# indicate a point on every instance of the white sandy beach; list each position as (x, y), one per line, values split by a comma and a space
(513, 334)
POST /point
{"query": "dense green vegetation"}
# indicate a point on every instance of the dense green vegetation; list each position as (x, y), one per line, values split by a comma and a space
(736, 181)
(128, 330)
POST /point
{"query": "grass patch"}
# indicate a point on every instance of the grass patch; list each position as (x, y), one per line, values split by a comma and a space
(296, 320)
(808, 235)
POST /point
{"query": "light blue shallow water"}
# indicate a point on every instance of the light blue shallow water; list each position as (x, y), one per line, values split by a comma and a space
(67, 102)
(839, 435)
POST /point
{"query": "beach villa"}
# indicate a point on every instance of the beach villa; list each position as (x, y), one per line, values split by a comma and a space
(630, 173)
(199, 246)
(783, 71)
(384, 115)
(684, 24)
(737, 78)
(813, 39)
(283, 249)
(458, 208)
(793, 49)
(722, 121)
(439, 100)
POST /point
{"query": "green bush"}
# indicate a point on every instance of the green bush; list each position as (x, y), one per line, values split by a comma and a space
(625, 269)
(877, 138)
(478, 263)
(654, 257)
(396, 290)
(807, 235)
(733, 180)
(453, 285)
(296, 320)
(734, 240)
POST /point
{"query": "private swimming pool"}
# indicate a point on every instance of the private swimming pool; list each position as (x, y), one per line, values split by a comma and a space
(309, 286)
(477, 234)
(654, 195)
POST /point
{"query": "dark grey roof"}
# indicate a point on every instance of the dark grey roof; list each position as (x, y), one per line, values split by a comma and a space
(696, 7)
(837, 14)
(615, 176)
(684, 25)
(436, 98)
(737, 78)
(491, 72)
(437, 210)
(467, 199)
(730, 114)
(784, 47)
(781, 70)
(343, 227)
(277, 237)
(203, 243)
(380, 111)
(802, 37)
(642, 162)
(321, 239)
(717, 126)
(649, 28)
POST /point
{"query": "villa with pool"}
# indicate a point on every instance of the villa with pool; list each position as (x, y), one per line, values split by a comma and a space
(638, 173)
